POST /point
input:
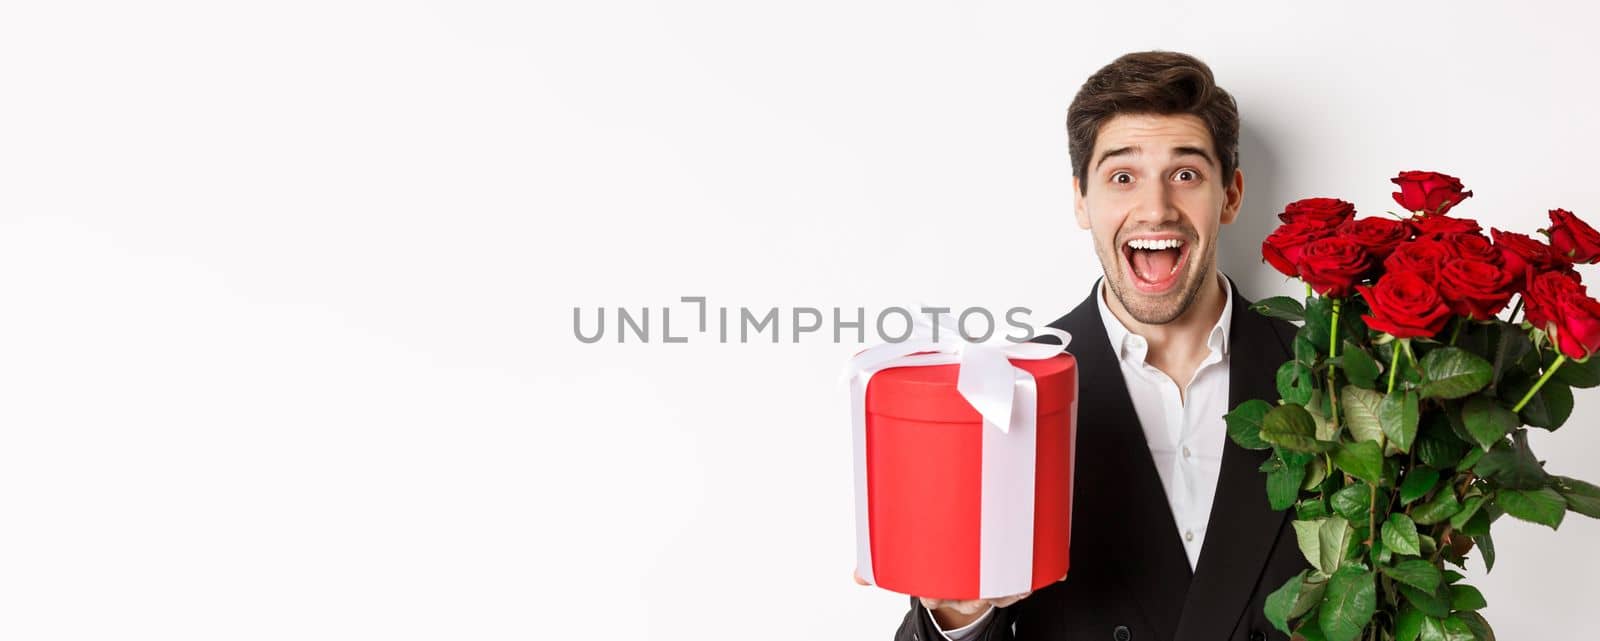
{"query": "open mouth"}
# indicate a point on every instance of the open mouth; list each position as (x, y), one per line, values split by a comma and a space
(1154, 263)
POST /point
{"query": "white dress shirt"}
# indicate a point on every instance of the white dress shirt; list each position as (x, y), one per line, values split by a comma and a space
(1185, 433)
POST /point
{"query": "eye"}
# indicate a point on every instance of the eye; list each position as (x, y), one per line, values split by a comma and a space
(1187, 175)
(1122, 178)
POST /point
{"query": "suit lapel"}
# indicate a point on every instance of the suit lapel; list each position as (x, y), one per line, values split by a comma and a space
(1242, 526)
(1131, 531)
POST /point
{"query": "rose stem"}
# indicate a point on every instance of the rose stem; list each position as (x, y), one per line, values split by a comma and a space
(1535, 390)
(1372, 518)
(1333, 353)
(1394, 363)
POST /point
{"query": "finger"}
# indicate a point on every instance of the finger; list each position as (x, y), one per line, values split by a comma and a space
(931, 604)
(1007, 601)
(857, 576)
(967, 608)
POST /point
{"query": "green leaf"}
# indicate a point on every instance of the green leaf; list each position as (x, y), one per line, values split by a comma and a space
(1454, 373)
(1361, 413)
(1294, 382)
(1447, 629)
(1469, 508)
(1306, 351)
(1442, 506)
(1432, 630)
(1400, 535)
(1321, 411)
(1417, 573)
(1434, 603)
(1408, 625)
(1281, 601)
(1292, 428)
(1543, 506)
(1363, 460)
(1397, 416)
(1582, 497)
(1333, 543)
(1282, 307)
(1352, 502)
(1487, 420)
(1557, 399)
(1311, 591)
(1244, 424)
(1478, 525)
(1437, 445)
(1316, 473)
(1359, 366)
(1575, 374)
(1283, 483)
(1347, 604)
(1512, 465)
(1548, 408)
(1512, 346)
(1466, 597)
(1310, 510)
(1475, 622)
(1307, 533)
(1427, 543)
(1309, 631)
(1485, 545)
(1417, 483)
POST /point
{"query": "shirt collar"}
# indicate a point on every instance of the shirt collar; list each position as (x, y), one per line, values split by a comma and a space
(1129, 345)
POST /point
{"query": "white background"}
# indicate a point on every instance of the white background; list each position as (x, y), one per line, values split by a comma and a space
(287, 348)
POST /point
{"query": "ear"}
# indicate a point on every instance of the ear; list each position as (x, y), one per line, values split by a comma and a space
(1233, 196)
(1079, 209)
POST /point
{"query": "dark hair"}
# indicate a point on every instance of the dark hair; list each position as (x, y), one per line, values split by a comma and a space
(1152, 82)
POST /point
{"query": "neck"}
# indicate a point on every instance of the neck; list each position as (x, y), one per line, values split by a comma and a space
(1183, 339)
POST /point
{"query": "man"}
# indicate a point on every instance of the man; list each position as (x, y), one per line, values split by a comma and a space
(1172, 534)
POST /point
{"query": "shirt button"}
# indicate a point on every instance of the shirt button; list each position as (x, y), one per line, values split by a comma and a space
(1188, 535)
(1187, 454)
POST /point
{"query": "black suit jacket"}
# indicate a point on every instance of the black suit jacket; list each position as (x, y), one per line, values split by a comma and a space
(1129, 578)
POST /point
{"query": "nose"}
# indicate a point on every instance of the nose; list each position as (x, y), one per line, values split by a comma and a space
(1154, 205)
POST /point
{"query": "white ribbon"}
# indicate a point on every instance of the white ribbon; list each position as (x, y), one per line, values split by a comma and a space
(1007, 397)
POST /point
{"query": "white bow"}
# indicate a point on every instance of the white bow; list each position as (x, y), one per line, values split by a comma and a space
(986, 379)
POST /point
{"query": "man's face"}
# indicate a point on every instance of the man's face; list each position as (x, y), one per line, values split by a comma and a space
(1154, 203)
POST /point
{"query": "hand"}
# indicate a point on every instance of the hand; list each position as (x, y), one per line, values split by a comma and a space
(952, 614)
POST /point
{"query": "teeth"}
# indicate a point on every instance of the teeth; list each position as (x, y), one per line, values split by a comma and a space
(1150, 244)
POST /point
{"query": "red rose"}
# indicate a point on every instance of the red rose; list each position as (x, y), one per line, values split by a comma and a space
(1421, 257)
(1378, 235)
(1440, 226)
(1332, 265)
(1473, 247)
(1474, 288)
(1539, 302)
(1282, 247)
(1322, 212)
(1572, 238)
(1559, 305)
(1428, 192)
(1522, 254)
(1404, 306)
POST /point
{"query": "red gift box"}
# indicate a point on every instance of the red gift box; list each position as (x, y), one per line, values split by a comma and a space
(950, 505)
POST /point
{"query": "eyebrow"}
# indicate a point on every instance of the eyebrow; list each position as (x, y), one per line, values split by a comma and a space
(1133, 150)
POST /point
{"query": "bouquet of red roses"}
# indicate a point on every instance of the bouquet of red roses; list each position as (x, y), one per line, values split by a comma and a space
(1401, 437)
